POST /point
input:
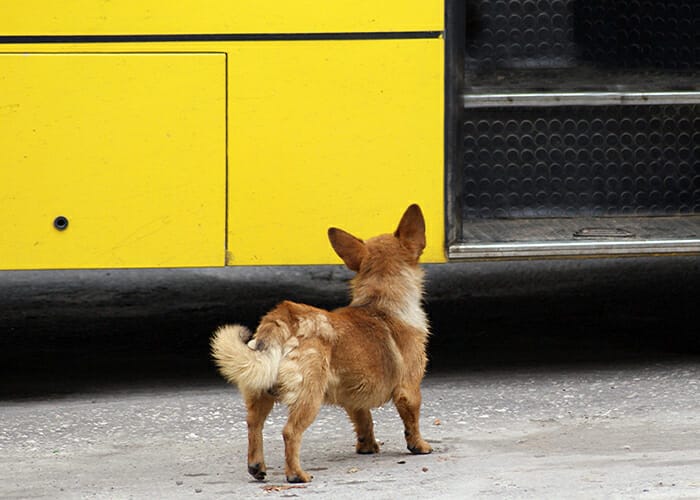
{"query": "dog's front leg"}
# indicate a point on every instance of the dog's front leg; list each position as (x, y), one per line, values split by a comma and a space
(407, 401)
(364, 428)
(259, 407)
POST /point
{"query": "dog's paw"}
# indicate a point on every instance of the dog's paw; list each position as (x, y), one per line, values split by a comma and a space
(299, 477)
(420, 448)
(364, 448)
(257, 471)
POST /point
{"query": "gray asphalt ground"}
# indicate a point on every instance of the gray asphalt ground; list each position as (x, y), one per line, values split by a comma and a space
(547, 380)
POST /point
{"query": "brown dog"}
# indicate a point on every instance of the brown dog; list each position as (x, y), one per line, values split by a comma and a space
(358, 357)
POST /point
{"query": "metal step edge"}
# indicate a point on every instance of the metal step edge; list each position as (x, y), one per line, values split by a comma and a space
(571, 249)
(537, 99)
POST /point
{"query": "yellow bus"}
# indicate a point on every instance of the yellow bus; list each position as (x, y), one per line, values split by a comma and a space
(146, 134)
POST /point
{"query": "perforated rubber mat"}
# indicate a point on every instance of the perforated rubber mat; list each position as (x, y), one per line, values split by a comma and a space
(558, 33)
(581, 161)
(520, 33)
(638, 33)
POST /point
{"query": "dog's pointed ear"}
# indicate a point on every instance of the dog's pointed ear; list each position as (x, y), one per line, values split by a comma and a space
(352, 250)
(411, 230)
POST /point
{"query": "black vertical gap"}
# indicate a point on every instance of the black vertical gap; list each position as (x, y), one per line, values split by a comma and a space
(226, 189)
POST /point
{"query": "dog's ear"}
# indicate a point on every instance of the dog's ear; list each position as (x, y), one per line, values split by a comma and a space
(352, 250)
(411, 230)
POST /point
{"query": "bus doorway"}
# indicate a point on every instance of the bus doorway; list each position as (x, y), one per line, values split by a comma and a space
(580, 129)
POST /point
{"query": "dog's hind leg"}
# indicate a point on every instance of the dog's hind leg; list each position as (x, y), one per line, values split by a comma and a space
(364, 428)
(407, 401)
(303, 380)
(259, 407)
(301, 415)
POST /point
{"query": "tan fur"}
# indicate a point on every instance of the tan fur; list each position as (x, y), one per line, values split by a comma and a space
(358, 357)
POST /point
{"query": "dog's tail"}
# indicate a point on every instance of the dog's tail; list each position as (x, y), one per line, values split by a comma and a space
(250, 364)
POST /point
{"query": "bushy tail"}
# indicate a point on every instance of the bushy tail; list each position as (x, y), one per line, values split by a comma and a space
(251, 366)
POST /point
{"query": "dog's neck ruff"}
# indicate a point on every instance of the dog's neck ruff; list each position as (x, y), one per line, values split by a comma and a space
(398, 295)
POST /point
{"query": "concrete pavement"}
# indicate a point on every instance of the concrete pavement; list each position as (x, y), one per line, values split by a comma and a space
(630, 431)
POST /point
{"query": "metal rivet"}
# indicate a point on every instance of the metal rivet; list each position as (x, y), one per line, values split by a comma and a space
(60, 223)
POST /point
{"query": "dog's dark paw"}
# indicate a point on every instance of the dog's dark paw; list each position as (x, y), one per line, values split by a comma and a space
(364, 448)
(256, 471)
(299, 478)
(366, 452)
(419, 451)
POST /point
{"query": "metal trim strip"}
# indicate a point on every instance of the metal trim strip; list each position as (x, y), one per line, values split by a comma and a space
(463, 251)
(579, 99)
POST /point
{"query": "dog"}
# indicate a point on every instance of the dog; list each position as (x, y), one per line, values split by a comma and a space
(358, 357)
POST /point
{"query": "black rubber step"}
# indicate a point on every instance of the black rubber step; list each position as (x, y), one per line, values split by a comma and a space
(581, 161)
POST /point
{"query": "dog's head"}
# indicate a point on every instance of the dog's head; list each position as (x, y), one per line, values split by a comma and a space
(404, 246)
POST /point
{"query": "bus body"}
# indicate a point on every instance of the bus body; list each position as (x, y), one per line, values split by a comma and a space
(159, 134)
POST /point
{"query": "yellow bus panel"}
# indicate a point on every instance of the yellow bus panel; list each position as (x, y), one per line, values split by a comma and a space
(129, 148)
(325, 133)
(138, 17)
(332, 133)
